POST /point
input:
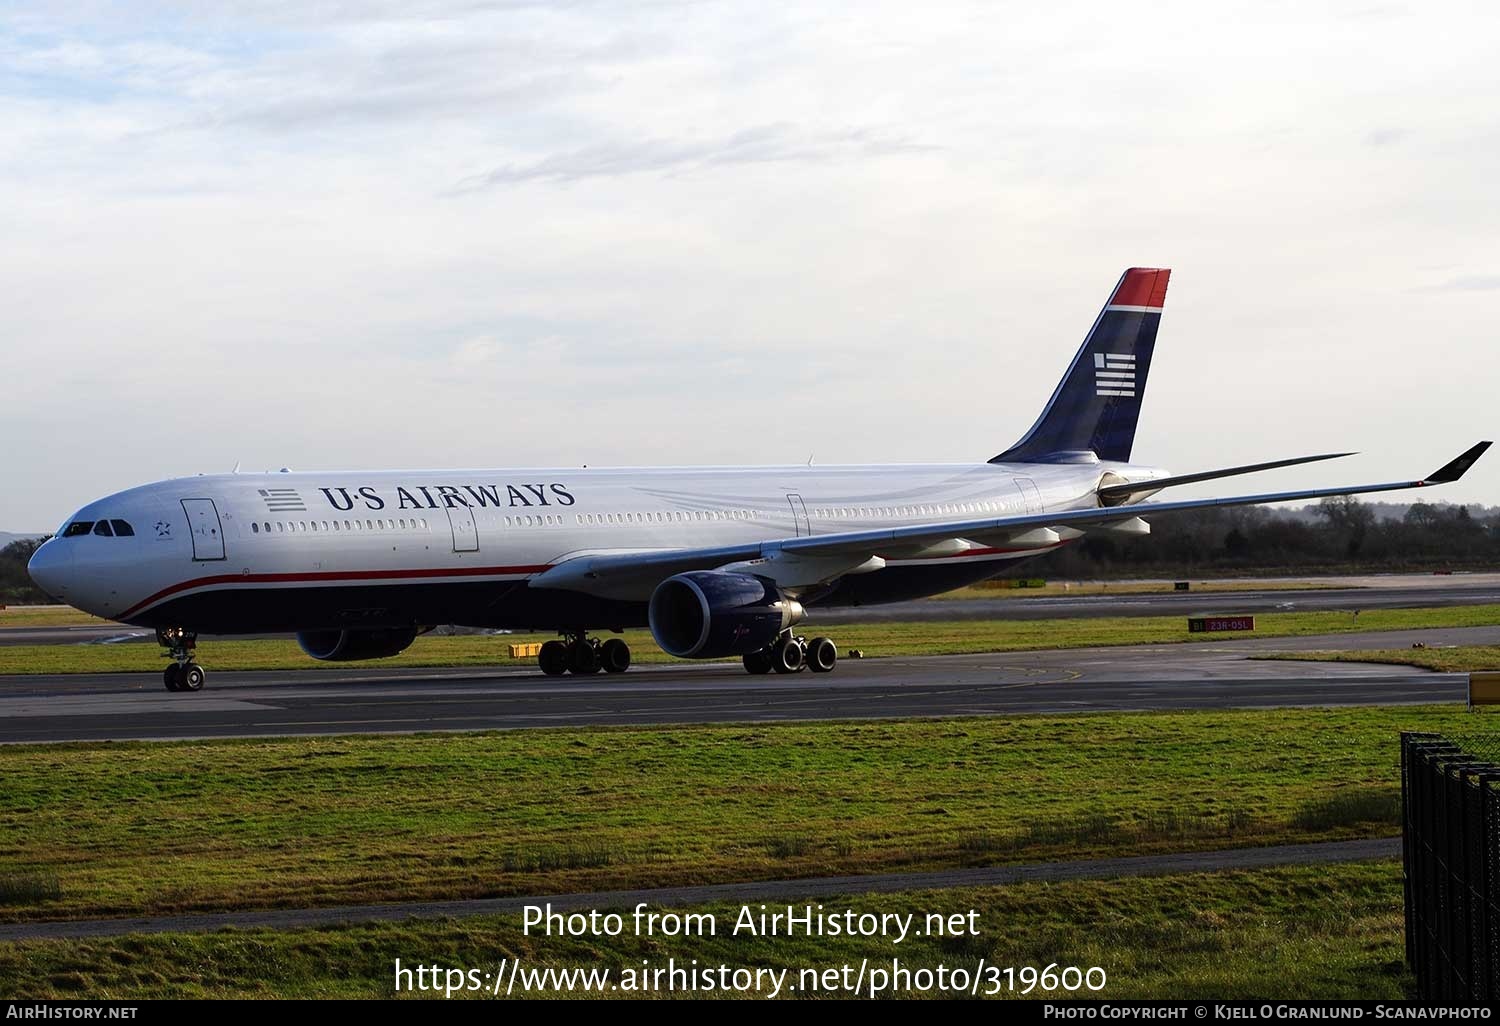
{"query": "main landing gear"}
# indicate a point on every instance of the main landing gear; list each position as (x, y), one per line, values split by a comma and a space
(182, 674)
(791, 654)
(582, 655)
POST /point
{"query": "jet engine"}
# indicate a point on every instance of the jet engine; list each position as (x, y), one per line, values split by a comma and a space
(709, 614)
(347, 646)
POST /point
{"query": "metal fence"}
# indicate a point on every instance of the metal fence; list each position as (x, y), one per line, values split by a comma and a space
(1450, 827)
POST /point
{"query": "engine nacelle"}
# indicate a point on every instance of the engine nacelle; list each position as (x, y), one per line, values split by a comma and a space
(709, 614)
(347, 646)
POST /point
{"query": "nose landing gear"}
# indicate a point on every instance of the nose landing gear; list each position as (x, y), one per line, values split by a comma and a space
(182, 674)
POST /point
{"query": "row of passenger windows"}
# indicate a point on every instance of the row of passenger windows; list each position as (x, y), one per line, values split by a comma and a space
(890, 512)
(122, 528)
(591, 519)
(345, 526)
(665, 517)
(103, 528)
(698, 516)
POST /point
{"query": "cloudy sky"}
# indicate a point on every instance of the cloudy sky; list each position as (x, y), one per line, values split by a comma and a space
(428, 233)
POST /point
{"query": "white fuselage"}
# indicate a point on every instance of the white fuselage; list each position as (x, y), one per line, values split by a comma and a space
(292, 551)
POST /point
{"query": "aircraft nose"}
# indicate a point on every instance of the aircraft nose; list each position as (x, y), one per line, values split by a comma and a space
(51, 567)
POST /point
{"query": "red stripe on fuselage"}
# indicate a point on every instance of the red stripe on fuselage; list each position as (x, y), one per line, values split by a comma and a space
(332, 575)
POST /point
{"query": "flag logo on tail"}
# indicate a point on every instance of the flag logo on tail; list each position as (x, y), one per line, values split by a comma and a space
(1114, 374)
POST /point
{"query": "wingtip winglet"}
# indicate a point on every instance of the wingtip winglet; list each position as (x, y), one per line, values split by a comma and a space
(1456, 468)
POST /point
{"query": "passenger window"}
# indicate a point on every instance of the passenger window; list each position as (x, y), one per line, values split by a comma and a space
(315, 525)
(78, 527)
(254, 527)
(102, 529)
(122, 529)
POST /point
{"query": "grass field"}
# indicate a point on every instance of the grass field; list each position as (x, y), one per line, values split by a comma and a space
(1314, 932)
(1456, 659)
(48, 616)
(874, 640)
(1058, 589)
(112, 829)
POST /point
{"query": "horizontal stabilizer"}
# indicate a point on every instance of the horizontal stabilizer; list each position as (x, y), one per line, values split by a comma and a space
(1122, 491)
(1456, 469)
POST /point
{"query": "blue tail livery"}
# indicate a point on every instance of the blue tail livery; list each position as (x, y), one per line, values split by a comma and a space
(1098, 402)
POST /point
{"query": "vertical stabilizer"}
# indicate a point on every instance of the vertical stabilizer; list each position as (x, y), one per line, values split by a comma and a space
(1098, 401)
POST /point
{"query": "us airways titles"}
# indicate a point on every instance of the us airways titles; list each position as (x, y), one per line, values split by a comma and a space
(450, 496)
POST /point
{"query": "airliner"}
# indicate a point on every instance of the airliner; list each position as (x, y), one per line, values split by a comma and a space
(717, 561)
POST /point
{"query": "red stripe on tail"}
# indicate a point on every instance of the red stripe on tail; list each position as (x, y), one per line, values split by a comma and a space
(1142, 286)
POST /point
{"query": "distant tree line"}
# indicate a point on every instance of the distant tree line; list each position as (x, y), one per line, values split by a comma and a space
(16, 587)
(1339, 534)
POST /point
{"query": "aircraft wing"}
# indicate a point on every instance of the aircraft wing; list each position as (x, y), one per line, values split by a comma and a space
(634, 575)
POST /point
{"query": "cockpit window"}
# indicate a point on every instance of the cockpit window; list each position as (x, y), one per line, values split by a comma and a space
(102, 529)
(122, 529)
(78, 527)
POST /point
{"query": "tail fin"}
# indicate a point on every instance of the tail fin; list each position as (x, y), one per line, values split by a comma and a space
(1098, 402)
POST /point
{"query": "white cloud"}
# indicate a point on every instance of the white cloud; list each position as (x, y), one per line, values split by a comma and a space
(479, 233)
